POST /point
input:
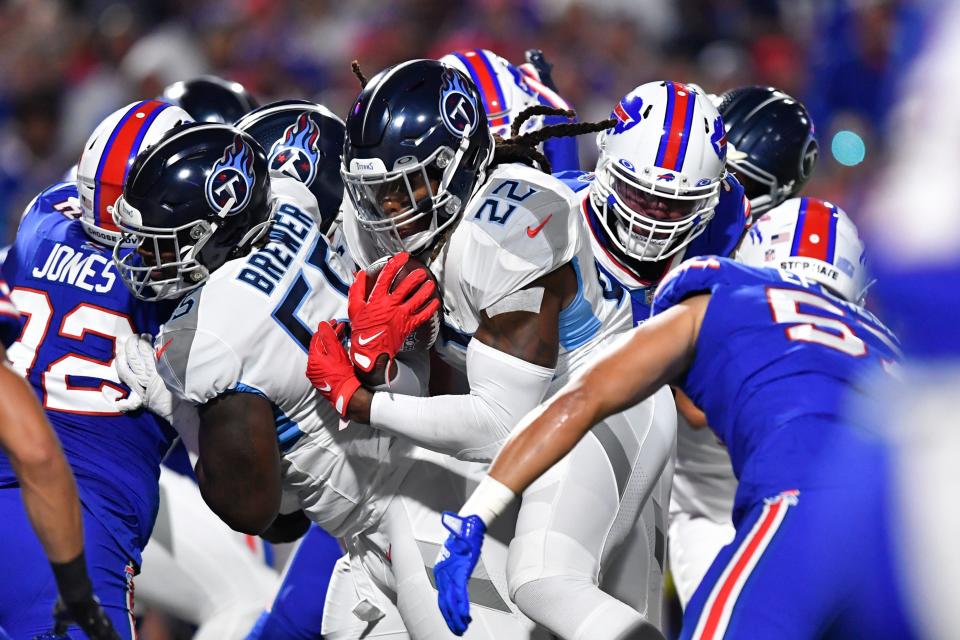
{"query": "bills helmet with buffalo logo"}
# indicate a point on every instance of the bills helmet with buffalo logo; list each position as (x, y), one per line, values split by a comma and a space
(199, 197)
(659, 171)
(303, 140)
(417, 145)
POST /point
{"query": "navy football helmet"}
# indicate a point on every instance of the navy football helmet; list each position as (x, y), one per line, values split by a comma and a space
(211, 99)
(199, 197)
(303, 140)
(418, 145)
(773, 146)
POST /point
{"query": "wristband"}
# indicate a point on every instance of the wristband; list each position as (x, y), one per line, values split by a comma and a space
(489, 500)
(73, 583)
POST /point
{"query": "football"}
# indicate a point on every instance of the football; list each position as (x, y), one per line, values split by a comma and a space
(423, 337)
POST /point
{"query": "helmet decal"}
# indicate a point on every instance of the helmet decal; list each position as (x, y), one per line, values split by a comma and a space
(297, 154)
(666, 177)
(808, 159)
(458, 109)
(232, 177)
(627, 113)
(719, 138)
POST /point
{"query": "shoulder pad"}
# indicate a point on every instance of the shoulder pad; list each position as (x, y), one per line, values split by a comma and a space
(283, 188)
(195, 364)
(704, 275)
(723, 234)
(521, 226)
(63, 198)
(577, 181)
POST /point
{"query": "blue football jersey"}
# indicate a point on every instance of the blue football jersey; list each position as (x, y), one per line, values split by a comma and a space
(75, 308)
(621, 289)
(779, 361)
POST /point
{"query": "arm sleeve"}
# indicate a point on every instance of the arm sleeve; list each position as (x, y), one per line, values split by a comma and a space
(473, 427)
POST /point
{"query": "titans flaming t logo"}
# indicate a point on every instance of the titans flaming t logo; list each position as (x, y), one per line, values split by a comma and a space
(457, 107)
(296, 154)
(232, 177)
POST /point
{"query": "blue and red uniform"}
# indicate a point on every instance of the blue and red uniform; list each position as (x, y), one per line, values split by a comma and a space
(721, 237)
(75, 308)
(778, 362)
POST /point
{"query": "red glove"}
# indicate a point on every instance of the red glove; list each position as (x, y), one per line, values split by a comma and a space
(329, 368)
(381, 323)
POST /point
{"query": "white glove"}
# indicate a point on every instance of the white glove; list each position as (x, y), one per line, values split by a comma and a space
(136, 364)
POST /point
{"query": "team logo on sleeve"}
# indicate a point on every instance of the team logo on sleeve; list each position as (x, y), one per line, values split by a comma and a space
(457, 106)
(297, 154)
(719, 138)
(231, 178)
(627, 114)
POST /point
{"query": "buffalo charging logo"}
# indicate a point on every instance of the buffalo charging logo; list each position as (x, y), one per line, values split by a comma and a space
(296, 154)
(457, 106)
(231, 178)
(719, 138)
(627, 114)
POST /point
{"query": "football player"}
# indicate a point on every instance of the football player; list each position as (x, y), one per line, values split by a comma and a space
(772, 151)
(645, 213)
(208, 222)
(522, 309)
(507, 90)
(75, 312)
(303, 140)
(48, 490)
(811, 555)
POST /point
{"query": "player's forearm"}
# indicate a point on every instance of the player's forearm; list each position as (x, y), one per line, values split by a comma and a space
(631, 370)
(471, 426)
(546, 435)
(47, 485)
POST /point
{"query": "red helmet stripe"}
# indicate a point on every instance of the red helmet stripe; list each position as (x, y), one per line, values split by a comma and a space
(483, 76)
(815, 235)
(682, 113)
(118, 154)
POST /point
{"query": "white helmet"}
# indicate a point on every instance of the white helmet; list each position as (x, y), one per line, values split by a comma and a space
(812, 238)
(108, 155)
(658, 177)
(506, 90)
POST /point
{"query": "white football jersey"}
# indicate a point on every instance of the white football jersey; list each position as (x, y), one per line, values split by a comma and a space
(248, 329)
(521, 225)
(703, 480)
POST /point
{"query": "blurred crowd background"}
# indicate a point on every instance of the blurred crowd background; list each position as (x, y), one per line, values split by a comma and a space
(66, 64)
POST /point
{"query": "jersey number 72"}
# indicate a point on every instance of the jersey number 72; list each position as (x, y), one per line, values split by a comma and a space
(58, 393)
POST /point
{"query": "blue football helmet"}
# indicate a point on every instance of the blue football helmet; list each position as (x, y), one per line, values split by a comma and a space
(303, 140)
(773, 148)
(211, 99)
(198, 198)
(417, 146)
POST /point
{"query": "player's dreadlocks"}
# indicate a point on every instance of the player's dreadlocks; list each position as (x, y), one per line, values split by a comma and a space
(523, 148)
(355, 67)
